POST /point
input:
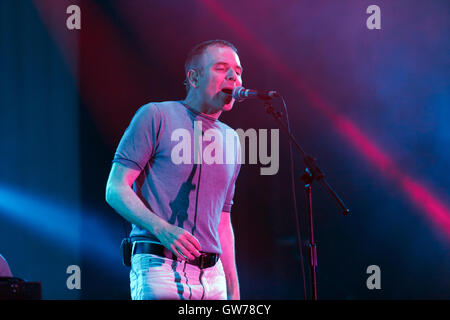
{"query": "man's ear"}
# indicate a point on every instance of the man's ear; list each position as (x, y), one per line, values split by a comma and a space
(193, 78)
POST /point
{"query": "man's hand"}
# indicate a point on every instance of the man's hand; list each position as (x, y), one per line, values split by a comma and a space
(182, 243)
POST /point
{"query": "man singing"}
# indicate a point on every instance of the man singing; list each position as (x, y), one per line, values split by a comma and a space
(183, 241)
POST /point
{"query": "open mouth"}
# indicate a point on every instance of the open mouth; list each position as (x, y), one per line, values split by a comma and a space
(228, 95)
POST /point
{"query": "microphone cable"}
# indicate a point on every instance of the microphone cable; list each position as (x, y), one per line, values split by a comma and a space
(297, 221)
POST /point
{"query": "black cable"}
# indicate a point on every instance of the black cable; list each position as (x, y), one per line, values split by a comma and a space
(297, 222)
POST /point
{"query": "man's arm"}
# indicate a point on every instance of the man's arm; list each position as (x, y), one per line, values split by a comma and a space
(122, 198)
(228, 257)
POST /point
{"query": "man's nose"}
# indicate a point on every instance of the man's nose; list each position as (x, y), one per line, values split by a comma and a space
(231, 75)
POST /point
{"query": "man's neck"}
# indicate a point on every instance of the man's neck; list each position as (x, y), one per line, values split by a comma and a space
(199, 106)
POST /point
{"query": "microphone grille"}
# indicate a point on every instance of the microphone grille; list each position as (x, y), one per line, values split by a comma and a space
(238, 94)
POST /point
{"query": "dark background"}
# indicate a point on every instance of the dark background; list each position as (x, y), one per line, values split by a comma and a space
(371, 105)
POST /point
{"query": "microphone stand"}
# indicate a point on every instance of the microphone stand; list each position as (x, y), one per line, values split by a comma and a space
(312, 172)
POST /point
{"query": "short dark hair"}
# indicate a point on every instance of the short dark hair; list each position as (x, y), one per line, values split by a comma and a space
(195, 54)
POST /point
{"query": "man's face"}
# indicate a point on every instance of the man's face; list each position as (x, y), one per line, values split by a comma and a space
(221, 70)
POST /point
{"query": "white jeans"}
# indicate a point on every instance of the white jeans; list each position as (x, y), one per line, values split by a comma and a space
(157, 278)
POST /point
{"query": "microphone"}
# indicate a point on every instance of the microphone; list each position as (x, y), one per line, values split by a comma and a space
(240, 94)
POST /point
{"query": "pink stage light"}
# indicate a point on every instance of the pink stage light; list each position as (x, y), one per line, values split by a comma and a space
(422, 198)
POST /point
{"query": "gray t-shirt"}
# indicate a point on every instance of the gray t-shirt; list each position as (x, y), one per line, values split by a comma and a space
(184, 183)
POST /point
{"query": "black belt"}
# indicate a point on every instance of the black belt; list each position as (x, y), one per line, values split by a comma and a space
(204, 260)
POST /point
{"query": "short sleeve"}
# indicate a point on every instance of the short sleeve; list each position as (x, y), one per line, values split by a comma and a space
(140, 140)
(230, 193)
